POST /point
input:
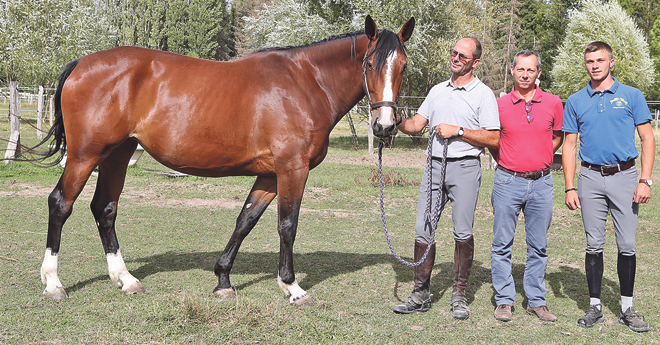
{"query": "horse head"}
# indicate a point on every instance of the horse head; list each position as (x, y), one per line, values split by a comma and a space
(383, 68)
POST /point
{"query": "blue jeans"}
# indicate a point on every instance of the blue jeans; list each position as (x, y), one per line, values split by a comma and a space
(511, 194)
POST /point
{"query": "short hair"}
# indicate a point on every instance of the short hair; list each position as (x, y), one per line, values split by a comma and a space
(598, 45)
(525, 53)
(476, 53)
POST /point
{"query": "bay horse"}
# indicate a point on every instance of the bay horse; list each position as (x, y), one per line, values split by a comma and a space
(267, 115)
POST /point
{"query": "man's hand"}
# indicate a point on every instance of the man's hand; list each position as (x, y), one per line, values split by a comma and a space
(572, 200)
(642, 194)
(446, 131)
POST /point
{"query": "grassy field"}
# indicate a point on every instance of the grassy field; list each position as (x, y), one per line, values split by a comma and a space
(172, 231)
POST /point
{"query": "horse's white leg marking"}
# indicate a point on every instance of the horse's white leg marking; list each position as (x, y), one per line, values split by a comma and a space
(120, 276)
(298, 295)
(54, 288)
(386, 118)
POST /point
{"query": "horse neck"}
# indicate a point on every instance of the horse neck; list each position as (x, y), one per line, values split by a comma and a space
(338, 70)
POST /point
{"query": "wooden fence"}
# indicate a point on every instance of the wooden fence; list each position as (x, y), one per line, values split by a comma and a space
(15, 96)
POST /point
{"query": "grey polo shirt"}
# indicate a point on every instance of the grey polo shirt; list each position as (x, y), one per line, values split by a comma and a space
(472, 106)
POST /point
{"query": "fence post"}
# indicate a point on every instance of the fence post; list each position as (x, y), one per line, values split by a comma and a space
(40, 112)
(14, 146)
(51, 110)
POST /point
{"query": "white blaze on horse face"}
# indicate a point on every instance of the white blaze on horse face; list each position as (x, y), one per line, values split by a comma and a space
(49, 272)
(387, 113)
(118, 272)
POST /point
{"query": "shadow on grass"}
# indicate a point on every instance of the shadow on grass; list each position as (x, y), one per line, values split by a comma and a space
(321, 265)
(568, 282)
(571, 282)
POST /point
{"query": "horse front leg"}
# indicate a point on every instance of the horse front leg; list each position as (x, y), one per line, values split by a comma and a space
(262, 193)
(290, 190)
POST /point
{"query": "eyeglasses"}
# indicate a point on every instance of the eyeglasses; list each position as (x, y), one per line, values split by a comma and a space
(461, 56)
(528, 109)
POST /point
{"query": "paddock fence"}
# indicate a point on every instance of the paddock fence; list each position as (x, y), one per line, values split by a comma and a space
(36, 105)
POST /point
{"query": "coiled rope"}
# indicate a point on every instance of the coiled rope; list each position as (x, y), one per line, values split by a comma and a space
(431, 218)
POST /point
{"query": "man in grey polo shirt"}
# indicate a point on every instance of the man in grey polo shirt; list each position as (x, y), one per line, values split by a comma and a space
(464, 111)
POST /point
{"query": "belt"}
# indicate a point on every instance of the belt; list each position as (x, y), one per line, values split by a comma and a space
(526, 175)
(610, 169)
(457, 159)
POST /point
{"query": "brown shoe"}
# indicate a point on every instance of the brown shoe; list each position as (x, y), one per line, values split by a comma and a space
(503, 312)
(542, 313)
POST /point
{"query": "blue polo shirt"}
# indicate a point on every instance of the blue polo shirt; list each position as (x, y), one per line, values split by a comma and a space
(606, 122)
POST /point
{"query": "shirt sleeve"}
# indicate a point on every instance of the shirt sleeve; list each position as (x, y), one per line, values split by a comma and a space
(489, 116)
(425, 108)
(559, 115)
(569, 118)
(641, 112)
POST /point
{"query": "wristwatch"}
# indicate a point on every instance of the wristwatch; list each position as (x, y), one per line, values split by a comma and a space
(647, 181)
(460, 132)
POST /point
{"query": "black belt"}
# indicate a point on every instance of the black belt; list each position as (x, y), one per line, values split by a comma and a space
(526, 175)
(610, 169)
(456, 159)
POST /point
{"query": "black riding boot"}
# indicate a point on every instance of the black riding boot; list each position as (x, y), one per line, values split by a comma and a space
(420, 298)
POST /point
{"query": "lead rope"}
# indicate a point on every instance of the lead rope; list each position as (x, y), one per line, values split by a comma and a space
(432, 219)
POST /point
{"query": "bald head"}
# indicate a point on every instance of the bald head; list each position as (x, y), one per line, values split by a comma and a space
(476, 46)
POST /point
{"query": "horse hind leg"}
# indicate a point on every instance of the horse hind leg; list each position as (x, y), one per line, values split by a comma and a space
(60, 206)
(112, 175)
(262, 193)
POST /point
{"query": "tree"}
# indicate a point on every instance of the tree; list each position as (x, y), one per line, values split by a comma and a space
(40, 36)
(605, 22)
(643, 12)
(439, 23)
(654, 48)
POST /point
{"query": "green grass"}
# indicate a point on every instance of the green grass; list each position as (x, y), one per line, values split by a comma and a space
(341, 259)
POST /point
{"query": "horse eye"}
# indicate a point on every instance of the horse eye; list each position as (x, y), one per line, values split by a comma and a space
(371, 67)
(404, 68)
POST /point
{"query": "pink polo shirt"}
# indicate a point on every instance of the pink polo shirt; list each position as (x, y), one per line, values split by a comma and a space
(524, 146)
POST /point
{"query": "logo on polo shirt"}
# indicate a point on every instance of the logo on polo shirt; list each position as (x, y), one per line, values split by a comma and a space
(618, 103)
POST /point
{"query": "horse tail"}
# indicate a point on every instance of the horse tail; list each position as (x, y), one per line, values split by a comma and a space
(56, 136)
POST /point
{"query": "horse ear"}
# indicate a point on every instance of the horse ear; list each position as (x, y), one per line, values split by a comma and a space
(407, 29)
(370, 28)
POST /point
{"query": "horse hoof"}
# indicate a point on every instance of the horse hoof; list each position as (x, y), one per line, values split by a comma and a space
(58, 293)
(304, 301)
(225, 293)
(135, 289)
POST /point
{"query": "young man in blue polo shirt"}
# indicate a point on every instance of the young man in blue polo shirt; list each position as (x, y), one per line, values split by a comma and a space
(606, 114)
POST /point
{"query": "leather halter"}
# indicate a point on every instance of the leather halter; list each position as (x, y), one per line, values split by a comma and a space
(374, 105)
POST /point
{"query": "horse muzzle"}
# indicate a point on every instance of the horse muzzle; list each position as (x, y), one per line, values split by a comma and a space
(383, 115)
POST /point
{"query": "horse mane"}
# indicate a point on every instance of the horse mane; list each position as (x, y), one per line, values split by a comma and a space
(388, 41)
(353, 34)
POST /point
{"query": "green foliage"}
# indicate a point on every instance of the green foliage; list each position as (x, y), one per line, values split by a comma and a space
(654, 49)
(198, 28)
(643, 12)
(605, 22)
(38, 37)
(439, 23)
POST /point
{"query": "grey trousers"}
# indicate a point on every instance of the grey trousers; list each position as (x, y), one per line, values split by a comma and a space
(462, 182)
(599, 195)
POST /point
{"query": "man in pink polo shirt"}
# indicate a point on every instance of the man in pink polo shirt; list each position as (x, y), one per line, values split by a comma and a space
(531, 122)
